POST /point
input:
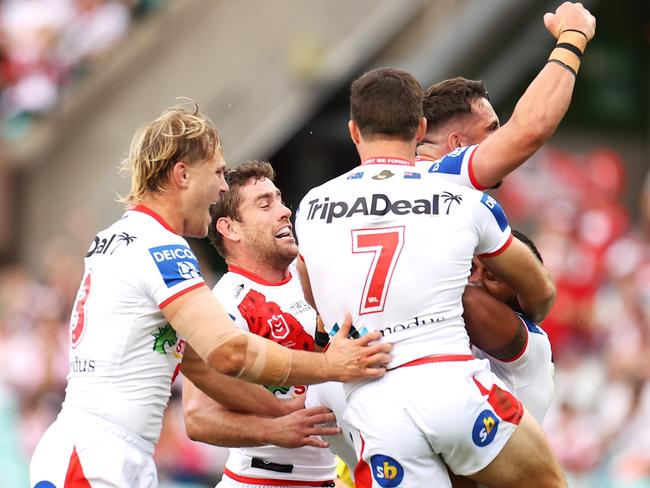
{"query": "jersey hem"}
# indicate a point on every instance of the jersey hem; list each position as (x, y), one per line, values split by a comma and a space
(436, 359)
(272, 481)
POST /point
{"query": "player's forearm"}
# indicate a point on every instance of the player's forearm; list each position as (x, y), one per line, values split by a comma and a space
(234, 394)
(542, 107)
(213, 425)
(537, 303)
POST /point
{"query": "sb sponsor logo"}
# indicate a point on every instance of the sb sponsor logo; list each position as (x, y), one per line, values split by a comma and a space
(386, 470)
(485, 428)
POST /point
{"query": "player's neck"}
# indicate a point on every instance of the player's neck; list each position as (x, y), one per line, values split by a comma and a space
(387, 149)
(432, 151)
(167, 210)
(266, 271)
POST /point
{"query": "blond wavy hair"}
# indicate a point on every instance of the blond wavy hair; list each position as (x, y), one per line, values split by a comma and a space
(179, 134)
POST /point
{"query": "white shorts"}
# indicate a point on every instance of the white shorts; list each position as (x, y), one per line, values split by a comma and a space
(82, 450)
(418, 418)
(530, 376)
(332, 396)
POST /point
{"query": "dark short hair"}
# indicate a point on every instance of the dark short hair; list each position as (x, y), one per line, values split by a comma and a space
(451, 98)
(228, 204)
(386, 102)
(529, 242)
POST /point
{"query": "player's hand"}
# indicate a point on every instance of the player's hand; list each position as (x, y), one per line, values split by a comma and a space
(353, 359)
(570, 16)
(293, 405)
(302, 428)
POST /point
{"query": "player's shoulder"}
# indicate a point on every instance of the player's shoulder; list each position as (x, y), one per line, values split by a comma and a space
(532, 327)
(452, 163)
(229, 287)
(134, 234)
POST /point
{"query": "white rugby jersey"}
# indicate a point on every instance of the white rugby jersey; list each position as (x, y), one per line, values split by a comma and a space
(279, 312)
(393, 246)
(457, 166)
(123, 353)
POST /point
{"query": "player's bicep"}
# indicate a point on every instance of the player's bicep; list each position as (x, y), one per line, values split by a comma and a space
(492, 325)
(201, 319)
(500, 154)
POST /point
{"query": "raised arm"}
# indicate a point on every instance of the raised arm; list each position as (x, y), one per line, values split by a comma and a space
(544, 103)
(519, 268)
(199, 317)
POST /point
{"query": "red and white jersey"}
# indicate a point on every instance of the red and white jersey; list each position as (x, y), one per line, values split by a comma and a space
(279, 312)
(393, 246)
(123, 353)
(457, 166)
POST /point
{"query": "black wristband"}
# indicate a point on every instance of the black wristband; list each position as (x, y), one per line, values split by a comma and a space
(321, 339)
(565, 66)
(576, 30)
(570, 47)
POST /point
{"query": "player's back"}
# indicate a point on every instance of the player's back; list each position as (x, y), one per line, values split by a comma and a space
(393, 246)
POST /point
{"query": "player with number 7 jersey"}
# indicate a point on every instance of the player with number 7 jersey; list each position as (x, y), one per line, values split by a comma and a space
(394, 246)
(402, 248)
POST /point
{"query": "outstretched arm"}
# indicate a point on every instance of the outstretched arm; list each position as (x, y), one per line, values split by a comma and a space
(233, 394)
(544, 103)
(199, 317)
(212, 423)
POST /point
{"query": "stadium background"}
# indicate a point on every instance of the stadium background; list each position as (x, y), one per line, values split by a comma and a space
(78, 76)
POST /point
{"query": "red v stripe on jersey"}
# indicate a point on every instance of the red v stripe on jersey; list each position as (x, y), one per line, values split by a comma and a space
(75, 477)
(362, 477)
(504, 403)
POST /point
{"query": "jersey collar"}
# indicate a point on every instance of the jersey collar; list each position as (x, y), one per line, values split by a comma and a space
(151, 213)
(233, 268)
(386, 160)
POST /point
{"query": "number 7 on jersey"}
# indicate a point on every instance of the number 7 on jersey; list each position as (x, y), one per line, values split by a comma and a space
(386, 245)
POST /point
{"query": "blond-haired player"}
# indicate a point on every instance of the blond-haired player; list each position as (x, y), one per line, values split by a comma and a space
(141, 297)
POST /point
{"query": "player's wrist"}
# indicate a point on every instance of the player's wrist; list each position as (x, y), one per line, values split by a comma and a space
(568, 51)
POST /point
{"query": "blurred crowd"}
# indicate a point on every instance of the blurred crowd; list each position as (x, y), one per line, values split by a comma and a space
(46, 45)
(597, 250)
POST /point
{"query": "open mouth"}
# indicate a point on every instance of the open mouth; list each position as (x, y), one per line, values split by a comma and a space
(284, 232)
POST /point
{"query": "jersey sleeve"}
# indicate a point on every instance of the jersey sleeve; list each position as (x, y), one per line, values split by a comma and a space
(225, 290)
(170, 269)
(457, 166)
(494, 230)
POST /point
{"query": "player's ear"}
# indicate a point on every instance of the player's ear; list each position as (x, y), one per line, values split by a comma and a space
(228, 228)
(179, 174)
(355, 133)
(453, 141)
(422, 129)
